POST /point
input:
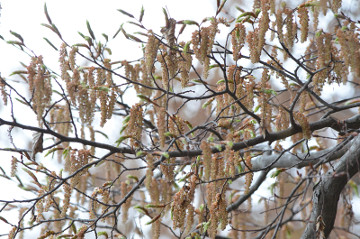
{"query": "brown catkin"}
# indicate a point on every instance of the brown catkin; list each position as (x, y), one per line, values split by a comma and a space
(205, 147)
(304, 23)
(238, 36)
(151, 50)
(3, 90)
(202, 44)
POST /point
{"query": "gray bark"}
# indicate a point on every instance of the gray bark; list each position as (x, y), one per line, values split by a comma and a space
(290, 160)
(327, 191)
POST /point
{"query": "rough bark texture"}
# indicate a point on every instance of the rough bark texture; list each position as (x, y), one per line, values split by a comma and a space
(327, 191)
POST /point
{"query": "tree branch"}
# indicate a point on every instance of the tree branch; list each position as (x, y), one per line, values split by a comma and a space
(327, 192)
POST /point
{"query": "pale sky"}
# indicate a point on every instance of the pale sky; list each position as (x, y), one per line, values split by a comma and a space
(24, 17)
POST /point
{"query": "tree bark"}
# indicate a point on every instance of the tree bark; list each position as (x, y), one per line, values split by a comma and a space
(327, 191)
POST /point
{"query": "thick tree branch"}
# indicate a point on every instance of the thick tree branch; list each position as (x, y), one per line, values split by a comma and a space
(327, 192)
(289, 160)
(349, 124)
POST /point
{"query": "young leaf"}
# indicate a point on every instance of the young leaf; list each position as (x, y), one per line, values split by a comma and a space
(154, 219)
(133, 177)
(190, 22)
(166, 15)
(140, 153)
(126, 13)
(90, 30)
(277, 172)
(207, 103)
(166, 155)
(102, 133)
(141, 13)
(105, 36)
(120, 29)
(18, 36)
(103, 233)
(47, 14)
(147, 99)
(49, 42)
(53, 150)
(122, 138)
(134, 38)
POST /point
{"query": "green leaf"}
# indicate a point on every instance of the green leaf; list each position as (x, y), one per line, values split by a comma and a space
(240, 168)
(82, 35)
(272, 187)
(257, 12)
(20, 44)
(56, 30)
(153, 220)
(207, 103)
(210, 139)
(354, 101)
(102, 133)
(147, 99)
(187, 47)
(136, 179)
(49, 42)
(127, 118)
(81, 45)
(189, 125)
(166, 15)
(123, 128)
(90, 30)
(18, 36)
(103, 88)
(47, 14)
(246, 14)
(218, 147)
(277, 172)
(105, 234)
(134, 38)
(140, 153)
(166, 155)
(120, 29)
(190, 22)
(126, 13)
(21, 101)
(66, 152)
(121, 139)
(18, 73)
(270, 91)
(53, 150)
(89, 40)
(354, 186)
(105, 36)
(154, 206)
(169, 134)
(206, 225)
(53, 28)
(108, 50)
(142, 11)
